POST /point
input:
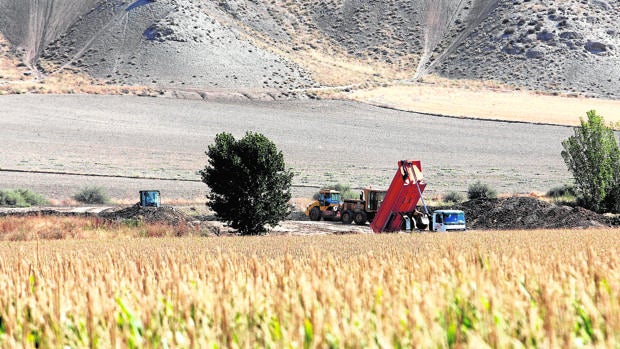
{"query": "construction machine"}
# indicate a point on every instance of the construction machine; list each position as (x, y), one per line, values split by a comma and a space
(362, 210)
(327, 206)
(149, 198)
(398, 209)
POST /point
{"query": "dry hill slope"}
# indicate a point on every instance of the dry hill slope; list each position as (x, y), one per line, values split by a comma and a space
(565, 46)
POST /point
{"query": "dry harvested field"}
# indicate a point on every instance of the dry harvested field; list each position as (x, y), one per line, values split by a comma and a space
(550, 288)
(325, 142)
(474, 99)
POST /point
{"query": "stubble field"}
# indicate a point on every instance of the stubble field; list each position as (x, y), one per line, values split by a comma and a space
(551, 288)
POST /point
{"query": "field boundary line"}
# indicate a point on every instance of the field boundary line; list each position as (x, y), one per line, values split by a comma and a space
(78, 174)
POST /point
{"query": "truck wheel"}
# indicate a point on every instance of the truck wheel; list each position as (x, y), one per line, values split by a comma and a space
(315, 214)
(360, 218)
(347, 218)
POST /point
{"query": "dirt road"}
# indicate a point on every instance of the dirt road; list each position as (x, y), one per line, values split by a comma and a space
(324, 142)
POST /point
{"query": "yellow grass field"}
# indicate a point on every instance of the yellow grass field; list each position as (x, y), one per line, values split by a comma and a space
(551, 288)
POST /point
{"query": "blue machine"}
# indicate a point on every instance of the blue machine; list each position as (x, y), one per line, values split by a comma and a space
(149, 198)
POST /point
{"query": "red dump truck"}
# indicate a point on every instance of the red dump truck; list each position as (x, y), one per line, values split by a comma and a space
(398, 209)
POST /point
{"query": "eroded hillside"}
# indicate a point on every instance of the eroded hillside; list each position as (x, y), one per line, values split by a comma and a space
(564, 46)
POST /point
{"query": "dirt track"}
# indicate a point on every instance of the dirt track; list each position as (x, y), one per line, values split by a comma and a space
(323, 141)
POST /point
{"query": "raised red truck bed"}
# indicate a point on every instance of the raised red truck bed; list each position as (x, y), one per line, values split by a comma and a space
(401, 198)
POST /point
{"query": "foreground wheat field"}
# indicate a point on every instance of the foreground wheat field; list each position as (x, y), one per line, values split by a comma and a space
(552, 288)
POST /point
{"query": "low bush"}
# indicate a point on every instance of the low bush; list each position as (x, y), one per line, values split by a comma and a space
(345, 191)
(564, 195)
(565, 190)
(21, 198)
(92, 195)
(480, 190)
(454, 197)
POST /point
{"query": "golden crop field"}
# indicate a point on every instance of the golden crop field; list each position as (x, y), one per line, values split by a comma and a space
(550, 288)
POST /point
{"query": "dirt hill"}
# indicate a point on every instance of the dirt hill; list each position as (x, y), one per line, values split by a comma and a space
(527, 213)
(566, 46)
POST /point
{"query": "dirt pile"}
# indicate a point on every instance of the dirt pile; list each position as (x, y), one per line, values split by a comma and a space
(527, 213)
(167, 215)
(163, 215)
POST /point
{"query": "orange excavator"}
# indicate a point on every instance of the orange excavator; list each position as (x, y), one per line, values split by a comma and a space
(398, 209)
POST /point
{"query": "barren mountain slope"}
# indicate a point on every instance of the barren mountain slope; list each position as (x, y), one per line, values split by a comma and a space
(564, 46)
(163, 43)
(567, 46)
(31, 25)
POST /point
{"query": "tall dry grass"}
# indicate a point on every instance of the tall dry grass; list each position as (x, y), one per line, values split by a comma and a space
(30, 228)
(475, 289)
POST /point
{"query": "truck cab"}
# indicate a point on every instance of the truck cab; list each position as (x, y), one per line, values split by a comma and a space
(362, 210)
(329, 197)
(447, 220)
(150, 198)
(327, 206)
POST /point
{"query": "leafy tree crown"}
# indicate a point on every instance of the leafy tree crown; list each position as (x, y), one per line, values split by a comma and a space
(249, 182)
(593, 157)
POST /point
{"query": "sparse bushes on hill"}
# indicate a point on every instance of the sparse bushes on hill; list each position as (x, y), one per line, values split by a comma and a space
(21, 198)
(480, 190)
(92, 195)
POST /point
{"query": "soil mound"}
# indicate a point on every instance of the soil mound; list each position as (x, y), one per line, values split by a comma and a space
(527, 213)
(166, 215)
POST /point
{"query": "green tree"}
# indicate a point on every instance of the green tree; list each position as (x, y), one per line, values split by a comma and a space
(250, 186)
(593, 157)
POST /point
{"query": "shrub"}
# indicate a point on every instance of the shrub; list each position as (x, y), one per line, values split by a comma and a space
(592, 155)
(92, 195)
(480, 190)
(454, 197)
(250, 186)
(21, 198)
(345, 191)
(565, 190)
(564, 195)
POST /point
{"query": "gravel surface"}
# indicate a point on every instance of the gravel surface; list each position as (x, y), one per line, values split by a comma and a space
(325, 142)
